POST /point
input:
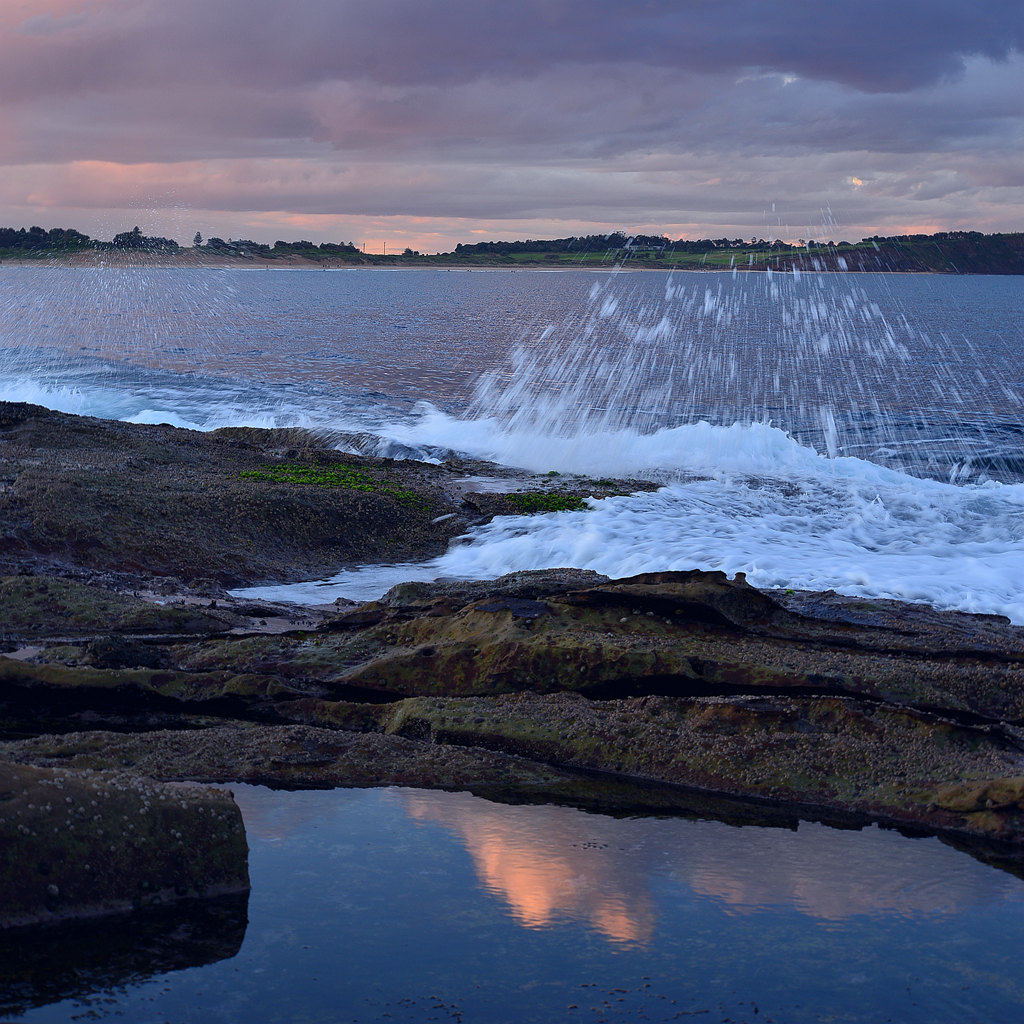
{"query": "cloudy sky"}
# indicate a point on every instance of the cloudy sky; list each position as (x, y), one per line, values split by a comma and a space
(429, 122)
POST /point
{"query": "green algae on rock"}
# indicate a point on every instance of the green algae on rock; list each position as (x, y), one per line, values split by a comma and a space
(336, 474)
(530, 502)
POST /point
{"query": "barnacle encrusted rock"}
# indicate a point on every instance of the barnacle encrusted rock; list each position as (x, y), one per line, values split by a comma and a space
(80, 844)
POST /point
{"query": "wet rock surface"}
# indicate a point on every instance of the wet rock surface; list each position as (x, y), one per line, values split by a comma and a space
(161, 501)
(675, 688)
(901, 714)
(230, 507)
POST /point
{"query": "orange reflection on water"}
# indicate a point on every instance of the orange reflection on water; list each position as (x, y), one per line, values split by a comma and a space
(558, 862)
(535, 860)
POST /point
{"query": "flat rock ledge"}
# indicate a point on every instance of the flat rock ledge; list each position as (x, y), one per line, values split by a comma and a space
(84, 844)
(564, 685)
(123, 653)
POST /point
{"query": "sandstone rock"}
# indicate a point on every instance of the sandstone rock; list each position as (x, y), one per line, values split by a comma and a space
(74, 845)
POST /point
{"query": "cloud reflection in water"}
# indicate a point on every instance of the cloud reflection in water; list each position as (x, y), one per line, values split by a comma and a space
(619, 875)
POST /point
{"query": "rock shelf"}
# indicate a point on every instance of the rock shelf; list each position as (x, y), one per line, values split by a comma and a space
(127, 664)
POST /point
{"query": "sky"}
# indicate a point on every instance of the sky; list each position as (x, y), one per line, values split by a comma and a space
(425, 123)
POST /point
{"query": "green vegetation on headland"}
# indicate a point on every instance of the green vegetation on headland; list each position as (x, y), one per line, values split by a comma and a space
(953, 252)
(945, 252)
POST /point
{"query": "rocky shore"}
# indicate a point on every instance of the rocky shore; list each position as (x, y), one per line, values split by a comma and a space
(126, 664)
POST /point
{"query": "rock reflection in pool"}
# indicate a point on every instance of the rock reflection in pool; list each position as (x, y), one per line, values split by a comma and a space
(406, 905)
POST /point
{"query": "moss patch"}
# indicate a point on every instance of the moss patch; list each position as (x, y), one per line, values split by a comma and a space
(340, 474)
(529, 502)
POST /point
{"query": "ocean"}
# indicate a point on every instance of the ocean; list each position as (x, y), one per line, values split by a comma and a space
(854, 432)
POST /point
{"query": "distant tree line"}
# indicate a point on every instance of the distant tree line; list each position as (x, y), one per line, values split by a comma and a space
(575, 243)
(937, 237)
(135, 239)
(617, 240)
(247, 247)
(963, 252)
(39, 239)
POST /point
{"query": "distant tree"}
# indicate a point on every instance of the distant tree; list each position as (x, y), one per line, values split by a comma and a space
(129, 239)
(337, 247)
(135, 239)
(198, 240)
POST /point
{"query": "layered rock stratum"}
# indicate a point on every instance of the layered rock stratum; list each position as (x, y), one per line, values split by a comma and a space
(128, 664)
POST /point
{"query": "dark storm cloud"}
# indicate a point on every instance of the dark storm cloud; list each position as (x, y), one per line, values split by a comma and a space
(872, 45)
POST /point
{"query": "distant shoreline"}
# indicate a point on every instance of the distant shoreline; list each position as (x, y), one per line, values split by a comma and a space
(945, 252)
(189, 260)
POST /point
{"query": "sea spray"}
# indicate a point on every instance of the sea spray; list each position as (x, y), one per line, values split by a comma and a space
(686, 391)
(830, 359)
(752, 500)
(771, 408)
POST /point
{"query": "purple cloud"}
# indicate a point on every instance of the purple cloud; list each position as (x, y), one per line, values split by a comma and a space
(593, 109)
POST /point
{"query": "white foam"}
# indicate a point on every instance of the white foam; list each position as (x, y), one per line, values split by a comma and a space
(186, 405)
(59, 397)
(175, 419)
(692, 448)
(775, 510)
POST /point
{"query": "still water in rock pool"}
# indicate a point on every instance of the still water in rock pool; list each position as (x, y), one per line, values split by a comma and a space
(409, 905)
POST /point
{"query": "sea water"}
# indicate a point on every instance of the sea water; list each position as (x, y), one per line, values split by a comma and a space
(854, 432)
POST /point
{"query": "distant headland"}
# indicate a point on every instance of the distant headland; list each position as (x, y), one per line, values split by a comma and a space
(945, 252)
